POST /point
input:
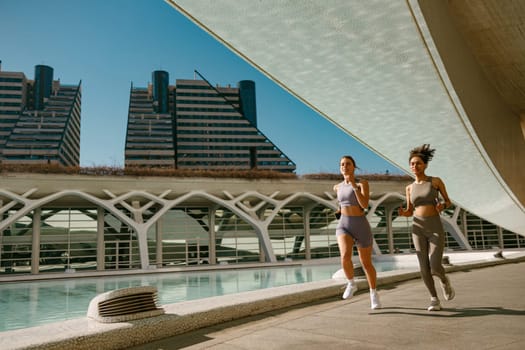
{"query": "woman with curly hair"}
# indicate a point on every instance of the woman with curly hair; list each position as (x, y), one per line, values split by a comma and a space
(428, 234)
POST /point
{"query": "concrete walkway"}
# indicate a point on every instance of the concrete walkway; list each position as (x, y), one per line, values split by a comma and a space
(488, 312)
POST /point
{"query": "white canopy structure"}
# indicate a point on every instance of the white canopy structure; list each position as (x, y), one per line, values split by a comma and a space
(395, 74)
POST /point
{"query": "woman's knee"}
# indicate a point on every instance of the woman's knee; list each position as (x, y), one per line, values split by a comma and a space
(368, 266)
(365, 256)
(437, 270)
(346, 256)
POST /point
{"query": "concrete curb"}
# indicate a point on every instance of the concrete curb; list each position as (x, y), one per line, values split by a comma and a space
(187, 316)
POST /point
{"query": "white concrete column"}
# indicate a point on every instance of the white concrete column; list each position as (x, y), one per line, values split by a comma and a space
(212, 253)
(142, 236)
(306, 225)
(500, 237)
(267, 253)
(389, 231)
(35, 249)
(101, 247)
(158, 238)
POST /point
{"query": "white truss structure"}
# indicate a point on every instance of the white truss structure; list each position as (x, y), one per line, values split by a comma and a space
(131, 207)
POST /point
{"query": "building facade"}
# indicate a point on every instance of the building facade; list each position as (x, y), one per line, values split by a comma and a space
(195, 125)
(39, 119)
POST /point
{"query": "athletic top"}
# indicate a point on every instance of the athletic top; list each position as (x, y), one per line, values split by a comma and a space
(346, 195)
(424, 193)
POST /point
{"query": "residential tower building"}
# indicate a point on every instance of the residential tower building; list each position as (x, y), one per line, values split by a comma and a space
(39, 119)
(195, 125)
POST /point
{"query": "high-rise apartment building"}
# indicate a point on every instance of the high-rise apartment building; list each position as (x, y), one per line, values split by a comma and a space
(39, 119)
(195, 125)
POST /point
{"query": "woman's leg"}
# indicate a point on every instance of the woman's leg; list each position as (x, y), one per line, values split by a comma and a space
(436, 246)
(346, 244)
(422, 246)
(365, 256)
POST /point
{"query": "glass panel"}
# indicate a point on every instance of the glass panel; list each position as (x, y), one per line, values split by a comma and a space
(323, 242)
(16, 245)
(236, 240)
(121, 247)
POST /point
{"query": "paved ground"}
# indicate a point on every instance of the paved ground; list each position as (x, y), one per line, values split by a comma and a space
(488, 312)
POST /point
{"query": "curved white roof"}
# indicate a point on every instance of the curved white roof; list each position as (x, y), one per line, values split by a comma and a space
(382, 71)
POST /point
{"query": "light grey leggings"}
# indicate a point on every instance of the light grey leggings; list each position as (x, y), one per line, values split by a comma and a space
(429, 240)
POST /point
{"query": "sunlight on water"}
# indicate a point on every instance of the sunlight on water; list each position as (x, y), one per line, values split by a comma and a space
(28, 304)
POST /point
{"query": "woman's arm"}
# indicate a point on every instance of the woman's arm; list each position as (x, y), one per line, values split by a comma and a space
(440, 185)
(362, 193)
(408, 211)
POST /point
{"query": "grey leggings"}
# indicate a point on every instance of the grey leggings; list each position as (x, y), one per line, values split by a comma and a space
(429, 240)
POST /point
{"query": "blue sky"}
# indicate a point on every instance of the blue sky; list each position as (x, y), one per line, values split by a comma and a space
(109, 44)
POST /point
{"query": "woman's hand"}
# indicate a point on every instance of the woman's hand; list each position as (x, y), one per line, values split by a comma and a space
(404, 212)
(409, 208)
(440, 206)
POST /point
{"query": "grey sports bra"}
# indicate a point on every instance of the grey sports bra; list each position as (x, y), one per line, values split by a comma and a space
(424, 193)
(346, 195)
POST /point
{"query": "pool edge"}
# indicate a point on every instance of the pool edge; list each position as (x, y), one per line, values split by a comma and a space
(84, 333)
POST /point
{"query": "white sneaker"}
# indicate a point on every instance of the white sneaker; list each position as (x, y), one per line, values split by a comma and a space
(435, 305)
(374, 301)
(448, 291)
(351, 288)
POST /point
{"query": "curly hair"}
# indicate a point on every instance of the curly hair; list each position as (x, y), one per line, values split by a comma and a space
(424, 152)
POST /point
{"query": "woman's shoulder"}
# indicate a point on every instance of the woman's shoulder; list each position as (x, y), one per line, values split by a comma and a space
(435, 180)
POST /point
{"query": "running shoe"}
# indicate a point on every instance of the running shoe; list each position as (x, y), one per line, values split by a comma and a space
(448, 291)
(374, 301)
(435, 305)
(351, 288)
